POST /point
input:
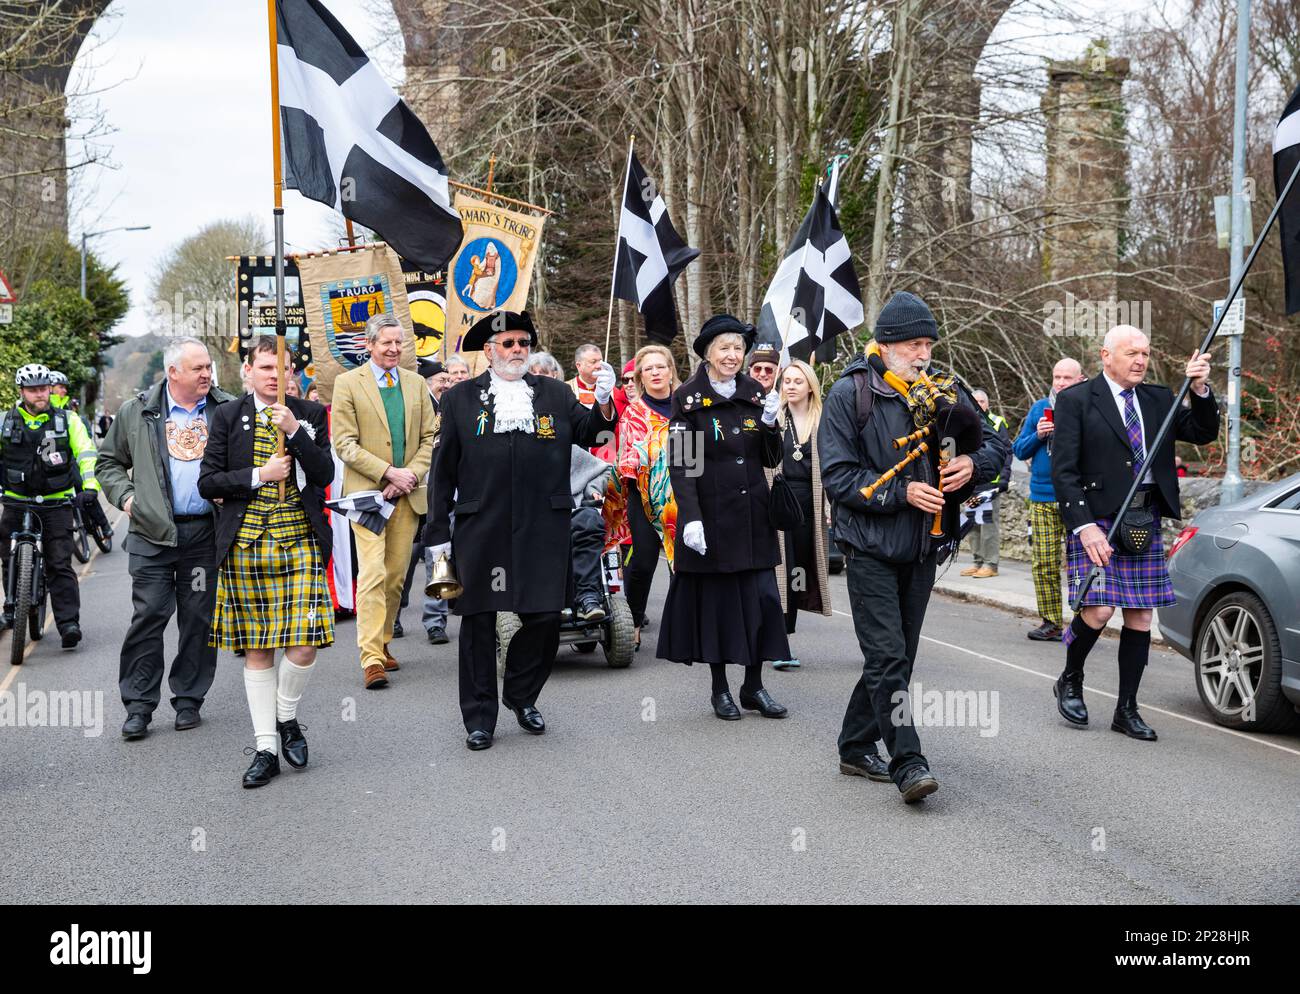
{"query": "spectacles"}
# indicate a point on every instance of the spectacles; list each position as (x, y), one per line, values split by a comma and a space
(510, 343)
(628, 379)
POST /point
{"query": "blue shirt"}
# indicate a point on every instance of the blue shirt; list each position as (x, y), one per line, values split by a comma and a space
(184, 473)
(380, 373)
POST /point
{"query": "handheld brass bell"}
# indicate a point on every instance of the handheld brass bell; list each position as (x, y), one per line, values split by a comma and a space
(444, 584)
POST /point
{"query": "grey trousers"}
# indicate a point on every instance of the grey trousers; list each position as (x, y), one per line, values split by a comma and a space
(985, 539)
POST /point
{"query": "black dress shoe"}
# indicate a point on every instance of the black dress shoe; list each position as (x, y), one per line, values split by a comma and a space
(398, 631)
(478, 740)
(438, 636)
(917, 783)
(761, 701)
(1068, 691)
(136, 726)
(870, 766)
(530, 719)
(266, 765)
(1046, 632)
(292, 742)
(1128, 721)
(187, 718)
(71, 635)
(725, 707)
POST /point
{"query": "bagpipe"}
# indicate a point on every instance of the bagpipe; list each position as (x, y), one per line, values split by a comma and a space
(939, 414)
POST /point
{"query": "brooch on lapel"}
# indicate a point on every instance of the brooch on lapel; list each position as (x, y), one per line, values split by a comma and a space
(751, 424)
(717, 429)
(707, 401)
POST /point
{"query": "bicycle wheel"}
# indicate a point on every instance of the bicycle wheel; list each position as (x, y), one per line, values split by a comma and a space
(103, 538)
(40, 605)
(24, 563)
(80, 540)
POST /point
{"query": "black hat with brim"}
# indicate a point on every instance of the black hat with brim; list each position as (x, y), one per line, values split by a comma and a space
(723, 324)
(429, 367)
(494, 324)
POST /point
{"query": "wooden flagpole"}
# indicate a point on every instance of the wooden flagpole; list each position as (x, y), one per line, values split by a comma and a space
(609, 323)
(278, 172)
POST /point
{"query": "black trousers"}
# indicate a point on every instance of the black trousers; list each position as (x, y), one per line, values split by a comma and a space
(888, 602)
(640, 570)
(183, 581)
(528, 665)
(586, 543)
(56, 545)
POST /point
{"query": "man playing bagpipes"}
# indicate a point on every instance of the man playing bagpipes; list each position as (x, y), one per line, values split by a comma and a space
(900, 451)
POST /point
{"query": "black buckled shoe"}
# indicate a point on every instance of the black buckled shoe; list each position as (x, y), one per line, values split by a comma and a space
(478, 740)
(187, 718)
(71, 634)
(1128, 721)
(530, 719)
(266, 765)
(292, 742)
(135, 727)
(870, 766)
(1068, 691)
(761, 701)
(917, 784)
(1046, 632)
(724, 706)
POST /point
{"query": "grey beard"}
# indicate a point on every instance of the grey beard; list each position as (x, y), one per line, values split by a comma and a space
(503, 368)
(901, 368)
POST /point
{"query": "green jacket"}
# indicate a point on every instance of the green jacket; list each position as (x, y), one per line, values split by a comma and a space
(83, 450)
(131, 463)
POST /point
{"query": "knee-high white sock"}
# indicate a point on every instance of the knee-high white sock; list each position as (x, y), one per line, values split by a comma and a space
(259, 685)
(293, 681)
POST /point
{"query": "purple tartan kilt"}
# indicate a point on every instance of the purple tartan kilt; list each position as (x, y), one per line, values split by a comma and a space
(1129, 581)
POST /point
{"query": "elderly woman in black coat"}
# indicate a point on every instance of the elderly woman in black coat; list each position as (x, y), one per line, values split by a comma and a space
(723, 605)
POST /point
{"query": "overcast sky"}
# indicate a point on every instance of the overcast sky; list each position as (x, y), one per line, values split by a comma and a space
(186, 94)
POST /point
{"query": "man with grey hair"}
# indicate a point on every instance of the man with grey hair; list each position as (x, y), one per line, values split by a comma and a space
(586, 360)
(149, 467)
(382, 421)
(545, 364)
(1046, 533)
(457, 369)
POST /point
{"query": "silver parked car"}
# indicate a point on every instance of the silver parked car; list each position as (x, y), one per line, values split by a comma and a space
(1236, 574)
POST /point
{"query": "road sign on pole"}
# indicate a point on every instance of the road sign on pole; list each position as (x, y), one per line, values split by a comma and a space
(1235, 322)
(6, 291)
(6, 313)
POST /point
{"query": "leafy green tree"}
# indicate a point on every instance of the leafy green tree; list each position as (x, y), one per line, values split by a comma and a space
(55, 326)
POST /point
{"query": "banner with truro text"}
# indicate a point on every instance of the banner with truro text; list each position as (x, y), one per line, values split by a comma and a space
(340, 292)
(494, 267)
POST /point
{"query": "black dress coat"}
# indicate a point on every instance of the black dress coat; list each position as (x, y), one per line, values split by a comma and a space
(1092, 461)
(227, 468)
(510, 492)
(718, 448)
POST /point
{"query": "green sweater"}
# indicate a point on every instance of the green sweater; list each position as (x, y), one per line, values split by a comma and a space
(396, 411)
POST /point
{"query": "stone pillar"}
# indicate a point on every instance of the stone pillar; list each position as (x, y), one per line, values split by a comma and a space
(1086, 189)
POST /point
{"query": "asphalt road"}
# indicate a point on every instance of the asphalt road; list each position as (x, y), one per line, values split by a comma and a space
(637, 793)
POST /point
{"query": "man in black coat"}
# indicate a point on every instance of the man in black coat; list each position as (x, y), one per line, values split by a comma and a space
(503, 466)
(1104, 428)
(891, 556)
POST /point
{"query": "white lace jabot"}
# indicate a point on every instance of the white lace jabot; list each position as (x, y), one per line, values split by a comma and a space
(726, 389)
(512, 404)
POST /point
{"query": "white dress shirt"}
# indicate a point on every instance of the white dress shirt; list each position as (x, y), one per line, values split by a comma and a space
(259, 407)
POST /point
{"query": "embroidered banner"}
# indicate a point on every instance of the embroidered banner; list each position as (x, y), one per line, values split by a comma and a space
(255, 285)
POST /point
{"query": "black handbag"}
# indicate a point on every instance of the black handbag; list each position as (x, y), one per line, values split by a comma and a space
(1136, 529)
(784, 512)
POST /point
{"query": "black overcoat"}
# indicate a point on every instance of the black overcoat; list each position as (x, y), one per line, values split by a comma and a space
(227, 470)
(510, 493)
(1092, 461)
(718, 448)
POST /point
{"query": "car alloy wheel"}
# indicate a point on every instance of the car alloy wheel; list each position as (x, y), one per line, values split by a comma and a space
(1231, 662)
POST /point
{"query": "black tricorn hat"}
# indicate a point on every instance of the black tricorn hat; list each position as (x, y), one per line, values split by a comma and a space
(428, 367)
(722, 324)
(493, 324)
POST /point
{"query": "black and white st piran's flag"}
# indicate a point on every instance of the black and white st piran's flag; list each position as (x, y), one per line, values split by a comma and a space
(814, 295)
(351, 143)
(649, 254)
(1286, 156)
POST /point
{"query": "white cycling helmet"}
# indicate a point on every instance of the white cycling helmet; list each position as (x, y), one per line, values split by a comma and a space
(57, 378)
(33, 375)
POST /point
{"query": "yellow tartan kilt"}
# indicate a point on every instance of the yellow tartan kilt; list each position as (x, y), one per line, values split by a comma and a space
(272, 596)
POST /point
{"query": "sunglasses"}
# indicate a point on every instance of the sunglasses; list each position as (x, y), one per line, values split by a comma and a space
(628, 379)
(510, 343)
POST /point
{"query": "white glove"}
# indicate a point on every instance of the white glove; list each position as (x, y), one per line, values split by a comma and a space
(605, 383)
(440, 550)
(770, 406)
(693, 536)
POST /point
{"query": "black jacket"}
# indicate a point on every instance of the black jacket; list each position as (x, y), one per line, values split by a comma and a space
(228, 466)
(887, 527)
(1092, 461)
(510, 492)
(718, 448)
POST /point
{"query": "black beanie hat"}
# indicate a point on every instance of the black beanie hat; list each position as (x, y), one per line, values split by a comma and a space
(905, 317)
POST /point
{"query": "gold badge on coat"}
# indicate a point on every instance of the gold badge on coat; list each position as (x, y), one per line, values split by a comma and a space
(187, 442)
(546, 426)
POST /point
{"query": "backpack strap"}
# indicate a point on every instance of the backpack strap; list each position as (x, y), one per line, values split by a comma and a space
(866, 397)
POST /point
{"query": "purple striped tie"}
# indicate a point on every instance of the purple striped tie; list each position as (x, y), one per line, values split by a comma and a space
(1134, 428)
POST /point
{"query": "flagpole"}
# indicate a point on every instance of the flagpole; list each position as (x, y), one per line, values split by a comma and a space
(613, 276)
(278, 187)
(1159, 440)
(803, 257)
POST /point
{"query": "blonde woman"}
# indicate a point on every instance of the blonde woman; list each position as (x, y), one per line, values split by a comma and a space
(802, 572)
(723, 605)
(643, 467)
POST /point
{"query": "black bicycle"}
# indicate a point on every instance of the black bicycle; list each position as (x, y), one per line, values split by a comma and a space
(25, 589)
